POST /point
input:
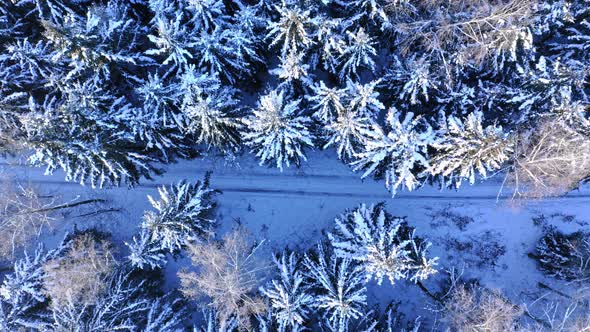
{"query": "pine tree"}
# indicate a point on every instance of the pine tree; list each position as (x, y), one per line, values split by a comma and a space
(329, 43)
(359, 52)
(174, 42)
(145, 253)
(292, 69)
(206, 14)
(383, 244)
(163, 314)
(348, 133)
(364, 99)
(84, 133)
(412, 79)
(466, 148)
(289, 296)
(26, 63)
(106, 39)
(221, 57)
(181, 213)
(212, 118)
(338, 286)
(398, 153)
(118, 308)
(213, 324)
(369, 11)
(292, 29)
(276, 132)
(158, 97)
(326, 102)
(21, 294)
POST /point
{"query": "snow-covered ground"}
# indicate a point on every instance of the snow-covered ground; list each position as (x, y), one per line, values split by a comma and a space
(470, 230)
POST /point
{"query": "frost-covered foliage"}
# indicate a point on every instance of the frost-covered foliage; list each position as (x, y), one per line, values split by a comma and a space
(212, 323)
(78, 134)
(343, 115)
(276, 132)
(465, 148)
(181, 213)
(289, 295)
(104, 39)
(397, 154)
(384, 245)
(338, 286)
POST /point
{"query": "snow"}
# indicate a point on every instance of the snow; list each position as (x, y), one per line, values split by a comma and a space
(295, 207)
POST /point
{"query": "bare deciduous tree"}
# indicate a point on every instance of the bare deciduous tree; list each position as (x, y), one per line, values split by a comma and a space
(23, 215)
(550, 159)
(80, 275)
(476, 309)
(463, 31)
(229, 276)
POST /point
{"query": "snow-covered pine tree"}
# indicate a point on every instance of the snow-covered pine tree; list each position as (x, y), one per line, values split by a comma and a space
(289, 296)
(245, 45)
(158, 96)
(338, 287)
(105, 39)
(326, 102)
(84, 133)
(364, 12)
(358, 52)
(22, 292)
(328, 44)
(397, 154)
(54, 10)
(292, 69)
(276, 132)
(212, 118)
(119, 307)
(383, 244)
(163, 314)
(212, 323)
(28, 64)
(347, 132)
(411, 79)
(364, 99)
(205, 15)
(195, 82)
(181, 213)
(174, 43)
(145, 253)
(465, 147)
(223, 51)
(292, 29)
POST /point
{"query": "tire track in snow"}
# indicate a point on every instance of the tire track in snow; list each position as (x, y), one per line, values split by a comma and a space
(444, 195)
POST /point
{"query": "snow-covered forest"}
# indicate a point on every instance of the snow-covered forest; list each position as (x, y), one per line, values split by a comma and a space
(294, 165)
